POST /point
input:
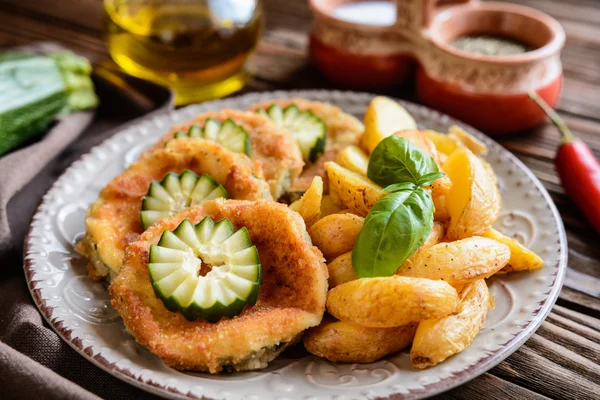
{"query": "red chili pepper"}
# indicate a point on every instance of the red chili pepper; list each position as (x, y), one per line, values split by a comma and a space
(577, 167)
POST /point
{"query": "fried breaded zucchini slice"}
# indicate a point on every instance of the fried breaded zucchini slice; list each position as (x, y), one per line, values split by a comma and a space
(342, 130)
(273, 147)
(113, 220)
(291, 297)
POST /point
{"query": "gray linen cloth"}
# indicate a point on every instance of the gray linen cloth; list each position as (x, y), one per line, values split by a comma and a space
(34, 361)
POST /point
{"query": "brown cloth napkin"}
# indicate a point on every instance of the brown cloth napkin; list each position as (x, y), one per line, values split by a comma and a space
(34, 361)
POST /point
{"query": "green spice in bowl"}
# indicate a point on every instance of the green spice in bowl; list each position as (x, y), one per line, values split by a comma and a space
(490, 45)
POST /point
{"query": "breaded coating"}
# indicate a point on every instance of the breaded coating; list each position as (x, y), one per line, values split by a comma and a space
(113, 221)
(342, 130)
(291, 298)
(274, 147)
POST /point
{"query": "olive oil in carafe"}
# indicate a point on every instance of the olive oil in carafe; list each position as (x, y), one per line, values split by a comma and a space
(198, 48)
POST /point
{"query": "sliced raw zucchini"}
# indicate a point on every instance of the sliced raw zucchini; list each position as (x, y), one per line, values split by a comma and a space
(309, 130)
(229, 134)
(176, 192)
(232, 283)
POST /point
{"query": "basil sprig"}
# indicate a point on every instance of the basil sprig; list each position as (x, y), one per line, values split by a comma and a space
(399, 223)
(397, 160)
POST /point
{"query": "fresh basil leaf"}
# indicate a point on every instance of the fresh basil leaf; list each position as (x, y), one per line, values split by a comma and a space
(428, 179)
(395, 228)
(396, 159)
(399, 186)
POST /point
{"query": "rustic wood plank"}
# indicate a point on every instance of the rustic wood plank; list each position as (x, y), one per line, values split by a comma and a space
(580, 302)
(577, 320)
(528, 368)
(490, 387)
(579, 345)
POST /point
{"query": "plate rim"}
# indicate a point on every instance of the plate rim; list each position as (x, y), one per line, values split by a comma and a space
(452, 381)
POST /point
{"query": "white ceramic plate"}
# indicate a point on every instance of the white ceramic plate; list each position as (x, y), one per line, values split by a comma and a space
(79, 309)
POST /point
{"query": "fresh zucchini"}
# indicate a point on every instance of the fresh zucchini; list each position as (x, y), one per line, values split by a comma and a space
(309, 130)
(176, 192)
(37, 88)
(229, 134)
(231, 284)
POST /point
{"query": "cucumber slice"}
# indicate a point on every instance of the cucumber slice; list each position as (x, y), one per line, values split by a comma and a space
(232, 283)
(229, 134)
(176, 192)
(309, 130)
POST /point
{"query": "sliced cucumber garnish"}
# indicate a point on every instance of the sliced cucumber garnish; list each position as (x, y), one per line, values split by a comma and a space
(232, 283)
(176, 192)
(309, 130)
(228, 134)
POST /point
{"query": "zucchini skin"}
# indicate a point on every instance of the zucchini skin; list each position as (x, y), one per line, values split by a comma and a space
(20, 125)
(38, 88)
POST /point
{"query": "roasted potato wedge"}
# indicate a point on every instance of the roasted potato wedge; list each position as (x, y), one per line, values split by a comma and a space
(328, 206)
(434, 237)
(352, 190)
(383, 118)
(438, 339)
(441, 186)
(309, 205)
(445, 144)
(441, 212)
(459, 262)
(471, 142)
(346, 342)
(340, 270)
(473, 203)
(391, 301)
(521, 258)
(354, 159)
(336, 234)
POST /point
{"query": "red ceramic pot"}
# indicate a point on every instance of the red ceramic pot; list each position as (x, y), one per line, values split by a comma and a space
(361, 72)
(488, 92)
(358, 56)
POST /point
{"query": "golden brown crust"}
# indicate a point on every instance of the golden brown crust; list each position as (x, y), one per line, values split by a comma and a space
(342, 130)
(113, 221)
(291, 298)
(272, 146)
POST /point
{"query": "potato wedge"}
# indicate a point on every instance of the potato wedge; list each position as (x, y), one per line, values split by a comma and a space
(309, 205)
(391, 301)
(336, 234)
(441, 212)
(459, 262)
(445, 144)
(473, 203)
(383, 118)
(328, 206)
(521, 258)
(352, 190)
(434, 237)
(354, 159)
(340, 270)
(346, 342)
(441, 186)
(471, 142)
(490, 171)
(438, 339)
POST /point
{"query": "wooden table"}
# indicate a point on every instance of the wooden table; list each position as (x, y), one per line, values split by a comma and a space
(562, 359)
